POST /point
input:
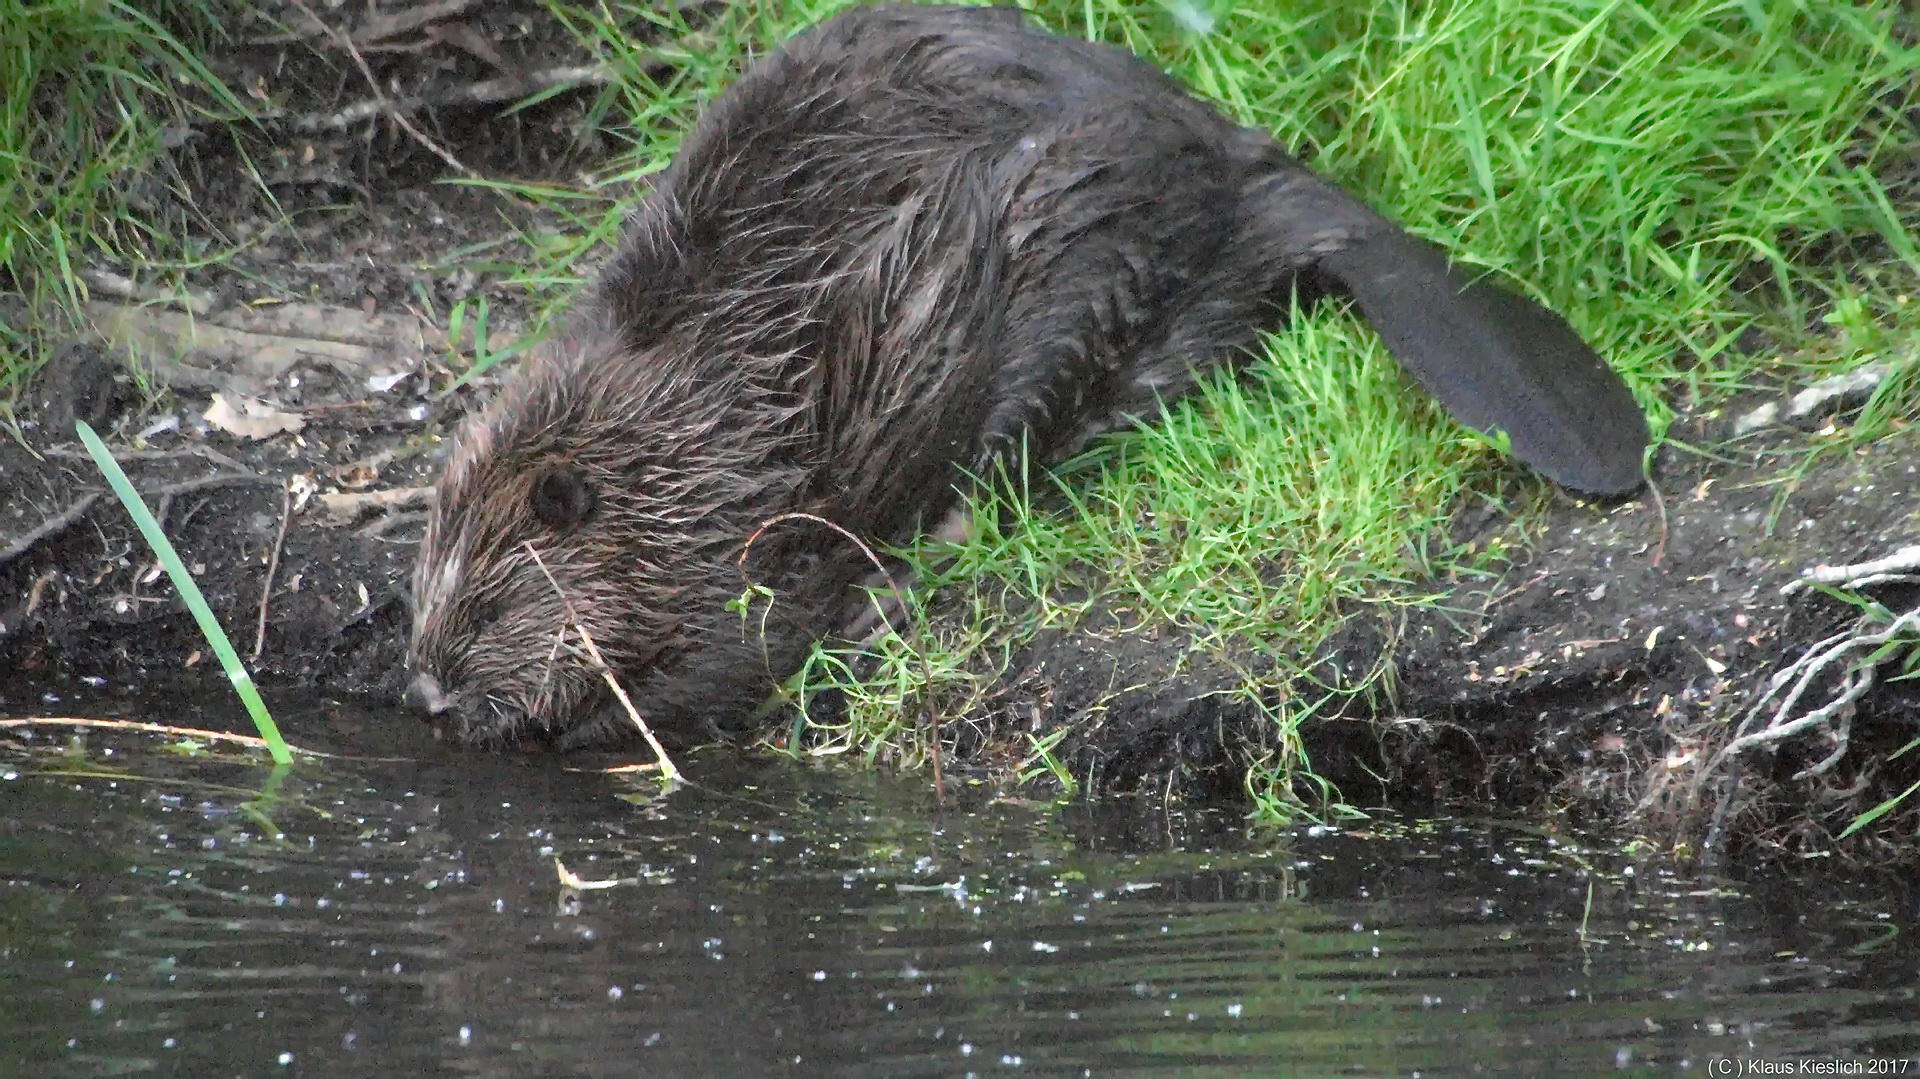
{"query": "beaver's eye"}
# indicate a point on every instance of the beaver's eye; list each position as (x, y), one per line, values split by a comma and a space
(561, 497)
(485, 615)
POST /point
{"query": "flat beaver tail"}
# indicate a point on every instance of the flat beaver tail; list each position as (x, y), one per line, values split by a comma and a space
(1495, 360)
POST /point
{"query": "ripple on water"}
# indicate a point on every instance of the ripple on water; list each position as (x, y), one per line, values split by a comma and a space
(404, 918)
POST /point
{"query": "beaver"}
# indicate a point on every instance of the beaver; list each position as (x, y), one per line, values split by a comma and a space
(905, 245)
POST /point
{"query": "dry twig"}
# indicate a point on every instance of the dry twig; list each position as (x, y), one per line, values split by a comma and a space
(52, 526)
(667, 771)
(173, 490)
(373, 30)
(198, 450)
(68, 517)
(484, 92)
(380, 95)
(150, 728)
(273, 566)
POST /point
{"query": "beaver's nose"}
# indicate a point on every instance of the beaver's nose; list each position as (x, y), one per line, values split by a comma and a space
(425, 695)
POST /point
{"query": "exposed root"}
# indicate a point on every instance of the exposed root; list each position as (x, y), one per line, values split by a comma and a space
(1854, 655)
(1900, 567)
(1659, 504)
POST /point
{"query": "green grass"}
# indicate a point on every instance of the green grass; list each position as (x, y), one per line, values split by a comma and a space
(1665, 173)
(88, 91)
(210, 627)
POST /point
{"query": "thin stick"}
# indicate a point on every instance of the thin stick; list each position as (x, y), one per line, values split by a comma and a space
(151, 728)
(137, 725)
(386, 106)
(489, 92)
(667, 771)
(68, 517)
(165, 495)
(207, 452)
(926, 661)
(273, 566)
(52, 526)
(1660, 504)
(376, 29)
(618, 769)
(181, 732)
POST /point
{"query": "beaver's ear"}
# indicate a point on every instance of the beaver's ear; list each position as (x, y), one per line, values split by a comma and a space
(561, 497)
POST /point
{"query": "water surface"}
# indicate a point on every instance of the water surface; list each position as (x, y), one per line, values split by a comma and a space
(159, 915)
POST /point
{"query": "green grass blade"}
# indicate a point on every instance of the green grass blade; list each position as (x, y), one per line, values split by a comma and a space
(189, 591)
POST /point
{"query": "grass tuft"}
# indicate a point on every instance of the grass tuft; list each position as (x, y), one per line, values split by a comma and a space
(90, 90)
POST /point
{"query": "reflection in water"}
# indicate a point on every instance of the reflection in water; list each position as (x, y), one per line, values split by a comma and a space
(776, 919)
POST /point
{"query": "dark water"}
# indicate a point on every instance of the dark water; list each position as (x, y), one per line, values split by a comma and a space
(404, 918)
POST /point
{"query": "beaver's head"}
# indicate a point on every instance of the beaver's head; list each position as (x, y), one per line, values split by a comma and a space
(598, 492)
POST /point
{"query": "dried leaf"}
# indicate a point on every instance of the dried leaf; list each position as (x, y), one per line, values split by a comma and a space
(250, 418)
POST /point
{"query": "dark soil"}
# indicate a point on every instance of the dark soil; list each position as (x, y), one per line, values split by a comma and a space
(1596, 674)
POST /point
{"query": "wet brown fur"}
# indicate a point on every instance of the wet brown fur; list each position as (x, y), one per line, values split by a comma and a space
(901, 245)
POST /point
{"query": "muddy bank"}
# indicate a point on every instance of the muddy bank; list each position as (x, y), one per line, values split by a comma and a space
(287, 407)
(1599, 671)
